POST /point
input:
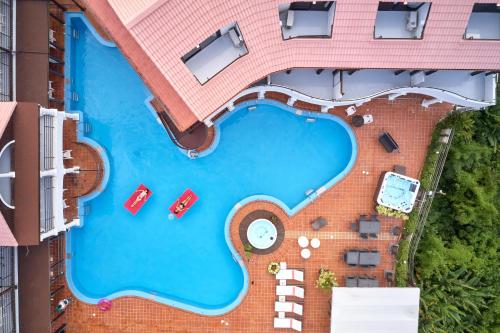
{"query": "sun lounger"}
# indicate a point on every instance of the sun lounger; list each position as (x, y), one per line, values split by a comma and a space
(290, 291)
(288, 307)
(388, 142)
(288, 323)
(290, 274)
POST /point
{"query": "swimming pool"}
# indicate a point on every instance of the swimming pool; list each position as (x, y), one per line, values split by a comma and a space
(398, 192)
(267, 153)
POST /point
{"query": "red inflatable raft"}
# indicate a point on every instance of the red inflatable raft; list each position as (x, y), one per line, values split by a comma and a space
(138, 199)
(183, 203)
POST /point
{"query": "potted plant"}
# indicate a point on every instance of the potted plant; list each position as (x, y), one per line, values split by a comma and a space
(326, 279)
(274, 267)
(248, 250)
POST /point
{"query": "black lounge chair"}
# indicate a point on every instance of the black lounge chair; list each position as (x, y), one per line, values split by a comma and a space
(318, 223)
(388, 142)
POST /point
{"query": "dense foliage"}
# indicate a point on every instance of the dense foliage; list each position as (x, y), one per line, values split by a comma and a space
(457, 264)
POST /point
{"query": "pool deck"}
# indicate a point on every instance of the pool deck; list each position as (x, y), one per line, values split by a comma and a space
(410, 125)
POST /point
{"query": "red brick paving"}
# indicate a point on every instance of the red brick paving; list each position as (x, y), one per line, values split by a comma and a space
(410, 125)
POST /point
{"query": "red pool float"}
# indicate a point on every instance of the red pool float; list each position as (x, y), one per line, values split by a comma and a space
(138, 199)
(183, 203)
(104, 305)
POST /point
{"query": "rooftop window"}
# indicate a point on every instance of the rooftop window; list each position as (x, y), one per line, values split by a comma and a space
(484, 22)
(215, 53)
(401, 20)
(307, 19)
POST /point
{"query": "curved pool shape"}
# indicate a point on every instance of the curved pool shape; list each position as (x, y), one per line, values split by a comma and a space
(266, 153)
(261, 234)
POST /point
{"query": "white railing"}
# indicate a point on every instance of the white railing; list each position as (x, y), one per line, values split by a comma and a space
(437, 96)
(52, 175)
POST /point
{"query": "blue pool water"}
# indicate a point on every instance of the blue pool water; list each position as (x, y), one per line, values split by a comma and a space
(189, 263)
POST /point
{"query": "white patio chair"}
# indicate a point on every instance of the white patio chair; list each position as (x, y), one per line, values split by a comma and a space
(288, 323)
(290, 274)
(367, 119)
(350, 110)
(290, 291)
(52, 36)
(288, 307)
(67, 155)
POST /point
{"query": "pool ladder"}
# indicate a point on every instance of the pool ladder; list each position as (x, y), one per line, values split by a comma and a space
(74, 96)
(75, 33)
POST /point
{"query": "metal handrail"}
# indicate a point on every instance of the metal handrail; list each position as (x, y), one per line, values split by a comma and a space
(425, 207)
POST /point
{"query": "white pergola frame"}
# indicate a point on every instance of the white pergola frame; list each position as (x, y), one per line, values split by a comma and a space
(57, 172)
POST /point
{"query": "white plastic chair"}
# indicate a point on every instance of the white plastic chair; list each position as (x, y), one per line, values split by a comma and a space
(290, 274)
(367, 119)
(288, 323)
(67, 155)
(291, 307)
(350, 110)
(290, 291)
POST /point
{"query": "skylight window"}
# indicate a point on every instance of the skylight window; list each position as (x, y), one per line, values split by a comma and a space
(307, 19)
(401, 20)
(484, 22)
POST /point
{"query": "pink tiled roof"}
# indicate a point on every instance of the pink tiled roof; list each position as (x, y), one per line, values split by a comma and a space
(167, 29)
(6, 110)
(6, 236)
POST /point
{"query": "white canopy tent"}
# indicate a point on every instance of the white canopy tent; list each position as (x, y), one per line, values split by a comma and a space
(374, 310)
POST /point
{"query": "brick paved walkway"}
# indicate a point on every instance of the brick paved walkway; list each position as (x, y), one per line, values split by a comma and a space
(411, 126)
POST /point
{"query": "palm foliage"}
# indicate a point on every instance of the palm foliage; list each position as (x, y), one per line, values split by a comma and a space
(457, 264)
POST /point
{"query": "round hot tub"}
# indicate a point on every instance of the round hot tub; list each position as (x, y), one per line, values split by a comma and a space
(262, 234)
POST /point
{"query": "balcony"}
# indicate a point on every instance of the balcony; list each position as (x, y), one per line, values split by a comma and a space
(401, 20)
(332, 87)
(484, 22)
(215, 53)
(307, 19)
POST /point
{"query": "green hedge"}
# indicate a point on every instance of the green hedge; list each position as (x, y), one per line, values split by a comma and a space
(425, 181)
(402, 263)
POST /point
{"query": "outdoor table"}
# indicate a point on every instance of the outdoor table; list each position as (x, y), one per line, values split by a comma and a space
(369, 227)
(352, 258)
(369, 258)
(357, 121)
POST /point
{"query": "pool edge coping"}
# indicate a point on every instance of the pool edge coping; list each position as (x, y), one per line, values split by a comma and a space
(227, 224)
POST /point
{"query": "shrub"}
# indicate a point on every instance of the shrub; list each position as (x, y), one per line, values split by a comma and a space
(326, 279)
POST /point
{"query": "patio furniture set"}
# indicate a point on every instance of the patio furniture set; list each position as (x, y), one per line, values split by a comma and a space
(360, 281)
(358, 120)
(367, 227)
(289, 304)
(363, 258)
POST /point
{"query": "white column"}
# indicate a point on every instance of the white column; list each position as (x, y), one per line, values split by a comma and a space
(392, 97)
(428, 102)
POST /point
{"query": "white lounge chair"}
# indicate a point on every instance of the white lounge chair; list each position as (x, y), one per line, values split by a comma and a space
(290, 291)
(288, 323)
(290, 274)
(288, 307)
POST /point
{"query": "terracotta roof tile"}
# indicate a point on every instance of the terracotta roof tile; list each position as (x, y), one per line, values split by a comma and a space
(166, 30)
